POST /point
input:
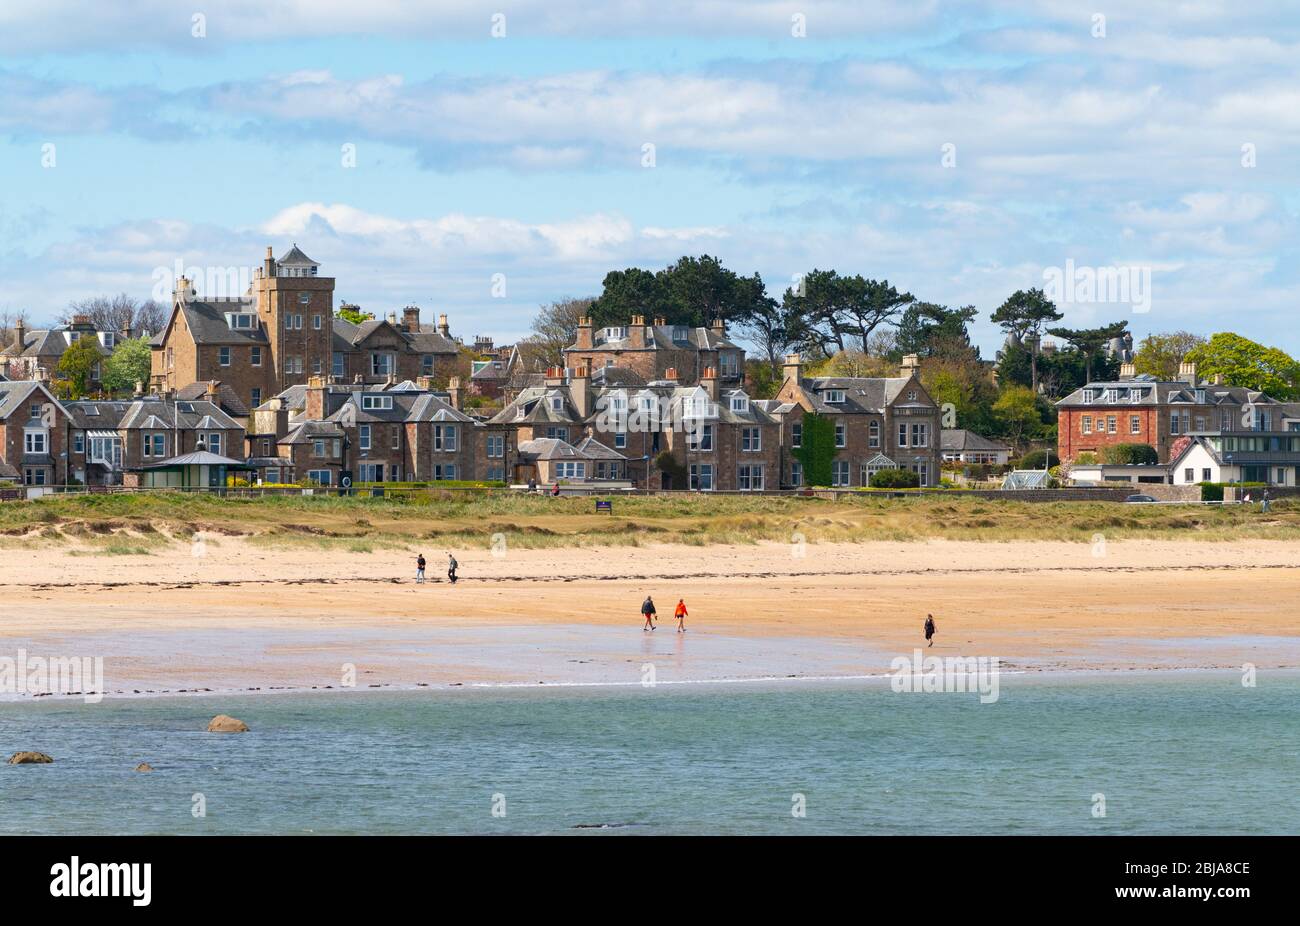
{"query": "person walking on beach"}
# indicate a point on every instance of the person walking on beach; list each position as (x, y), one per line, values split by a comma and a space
(451, 568)
(680, 614)
(648, 610)
(1263, 502)
(419, 569)
(929, 628)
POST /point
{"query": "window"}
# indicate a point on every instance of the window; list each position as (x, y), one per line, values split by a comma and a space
(796, 473)
(841, 435)
(681, 334)
(571, 470)
(240, 321)
(840, 473)
(751, 440)
(620, 440)
(370, 472)
(702, 477)
(79, 442)
(902, 434)
(911, 395)
(1134, 424)
(557, 433)
(920, 435)
(315, 322)
(496, 445)
(700, 438)
(271, 474)
(796, 435)
(1189, 475)
(1206, 476)
(213, 442)
(364, 437)
(922, 471)
(444, 437)
(34, 477)
(34, 411)
(1173, 422)
(1087, 424)
(255, 356)
(381, 364)
(615, 334)
(35, 442)
(336, 364)
(426, 364)
(293, 364)
(834, 397)
(749, 478)
(223, 356)
(255, 396)
(873, 434)
(1111, 424)
(319, 476)
(318, 447)
(303, 299)
(729, 369)
(557, 403)
(266, 446)
(442, 471)
(293, 322)
(397, 437)
(1199, 421)
(154, 445)
(372, 403)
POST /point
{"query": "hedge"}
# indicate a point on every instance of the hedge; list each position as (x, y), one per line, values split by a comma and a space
(1213, 491)
(1130, 455)
(895, 479)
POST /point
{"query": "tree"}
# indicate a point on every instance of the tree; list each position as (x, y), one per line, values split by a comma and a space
(554, 329)
(1243, 362)
(1130, 454)
(130, 363)
(930, 330)
(1025, 313)
(853, 362)
(965, 386)
(895, 479)
(1090, 341)
(1160, 355)
(119, 314)
(763, 321)
(761, 381)
(630, 292)
(1016, 412)
(77, 364)
(840, 312)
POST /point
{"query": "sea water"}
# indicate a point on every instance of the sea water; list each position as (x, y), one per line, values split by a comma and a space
(1139, 753)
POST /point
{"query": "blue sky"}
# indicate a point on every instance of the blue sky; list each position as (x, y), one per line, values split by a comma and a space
(1165, 139)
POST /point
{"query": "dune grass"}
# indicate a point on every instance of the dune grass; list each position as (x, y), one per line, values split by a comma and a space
(463, 519)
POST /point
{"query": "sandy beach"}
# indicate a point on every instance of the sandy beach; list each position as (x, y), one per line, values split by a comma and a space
(239, 615)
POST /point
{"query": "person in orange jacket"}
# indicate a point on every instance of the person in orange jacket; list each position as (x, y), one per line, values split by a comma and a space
(680, 614)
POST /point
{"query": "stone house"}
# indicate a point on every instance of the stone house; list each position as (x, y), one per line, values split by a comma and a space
(35, 353)
(651, 350)
(33, 432)
(880, 423)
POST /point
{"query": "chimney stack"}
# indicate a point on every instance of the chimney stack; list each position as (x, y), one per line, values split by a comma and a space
(585, 341)
(392, 319)
(911, 365)
(660, 321)
(709, 380)
(580, 389)
(268, 265)
(453, 392)
(1218, 379)
(1127, 371)
(555, 376)
(411, 318)
(1187, 373)
(719, 327)
(793, 367)
(314, 404)
(213, 390)
(443, 328)
(20, 335)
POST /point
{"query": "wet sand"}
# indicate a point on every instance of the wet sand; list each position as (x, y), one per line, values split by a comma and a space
(241, 616)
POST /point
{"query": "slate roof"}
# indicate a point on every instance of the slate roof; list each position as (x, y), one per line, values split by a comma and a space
(294, 256)
(206, 321)
(958, 440)
(1147, 390)
(88, 415)
(348, 337)
(197, 458)
(661, 337)
(862, 394)
(227, 398)
(550, 448)
(163, 414)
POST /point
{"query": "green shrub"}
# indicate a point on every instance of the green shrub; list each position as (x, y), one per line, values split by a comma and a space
(1213, 491)
(1130, 454)
(1086, 458)
(816, 450)
(1039, 459)
(895, 479)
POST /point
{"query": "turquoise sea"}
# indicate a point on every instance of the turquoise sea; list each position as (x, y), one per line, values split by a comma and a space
(1172, 752)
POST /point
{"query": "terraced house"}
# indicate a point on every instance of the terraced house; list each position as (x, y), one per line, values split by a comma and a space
(650, 351)
(138, 442)
(325, 432)
(880, 423)
(36, 353)
(662, 434)
(32, 434)
(282, 331)
(1140, 409)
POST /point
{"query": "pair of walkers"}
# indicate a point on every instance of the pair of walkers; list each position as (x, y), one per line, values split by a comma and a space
(452, 566)
(648, 612)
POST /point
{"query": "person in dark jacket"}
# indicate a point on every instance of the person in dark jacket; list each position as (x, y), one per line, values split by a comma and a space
(419, 569)
(648, 611)
(452, 565)
(929, 628)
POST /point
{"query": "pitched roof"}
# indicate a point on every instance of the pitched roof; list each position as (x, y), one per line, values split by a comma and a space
(197, 458)
(348, 337)
(14, 393)
(227, 398)
(294, 256)
(661, 337)
(154, 413)
(1146, 390)
(206, 321)
(862, 394)
(959, 439)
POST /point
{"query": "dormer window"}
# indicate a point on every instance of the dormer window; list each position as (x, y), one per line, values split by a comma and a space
(739, 402)
(834, 397)
(681, 334)
(241, 321)
(615, 334)
(1087, 397)
(1112, 395)
(108, 339)
(376, 402)
(557, 403)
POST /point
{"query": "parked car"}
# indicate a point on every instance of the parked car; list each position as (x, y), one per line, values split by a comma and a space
(1140, 499)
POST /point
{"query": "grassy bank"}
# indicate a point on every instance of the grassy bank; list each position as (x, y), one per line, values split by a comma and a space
(112, 524)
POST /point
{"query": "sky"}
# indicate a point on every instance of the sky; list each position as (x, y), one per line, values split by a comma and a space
(481, 160)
